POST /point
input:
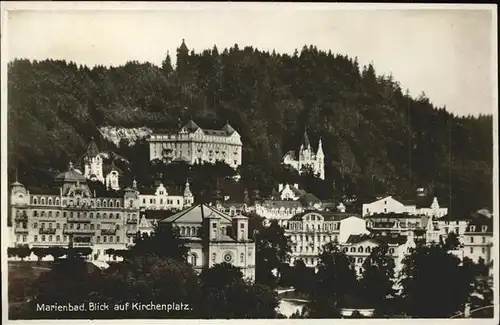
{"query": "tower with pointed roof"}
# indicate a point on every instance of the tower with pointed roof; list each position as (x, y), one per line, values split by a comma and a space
(92, 162)
(188, 196)
(112, 179)
(307, 157)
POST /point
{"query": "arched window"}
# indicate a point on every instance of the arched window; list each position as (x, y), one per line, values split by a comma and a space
(391, 250)
(91, 215)
(98, 215)
(131, 203)
(360, 249)
(50, 214)
(58, 238)
(242, 257)
(98, 203)
(42, 201)
(183, 229)
(368, 249)
(353, 249)
(35, 201)
(58, 202)
(104, 216)
(104, 204)
(50, 201)
(360, 260)
(111, 204)
(117, 204)
(194, 258)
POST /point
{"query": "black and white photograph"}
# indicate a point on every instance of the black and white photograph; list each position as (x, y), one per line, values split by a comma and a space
(228, 161)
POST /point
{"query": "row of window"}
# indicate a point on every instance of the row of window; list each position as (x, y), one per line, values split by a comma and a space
(72, 226)
(214, 257)
(153, 201)
(472, 240)
(72, 214)
(312, 237)
(483, 228)
(483, 250)
(327, 226)
(57, 238)
(57, 202)
(188, 231)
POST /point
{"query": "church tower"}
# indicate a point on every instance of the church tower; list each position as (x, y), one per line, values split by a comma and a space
(93, 163)
(188, 196)
(305, 151)
(320, 160)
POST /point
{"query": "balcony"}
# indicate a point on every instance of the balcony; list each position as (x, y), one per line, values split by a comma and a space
(21, 217)
(78, 231)
(108, 231)
(21, 230)
(132, 221)
(47, 231)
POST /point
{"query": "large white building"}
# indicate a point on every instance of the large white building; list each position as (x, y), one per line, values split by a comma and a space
(306, 157)
(73, 214)
(391, 205)
(193, 144)
(159, 198)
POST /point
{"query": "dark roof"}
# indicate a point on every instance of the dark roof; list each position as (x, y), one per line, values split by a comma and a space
(281, 203)
(448, 217)
(292, 154)
(478, 223)
(393, 215)
(191, 126)
(157, 214)
(385, 239)
(228, 128)
(181, 159)
(327, 215)
(92, 149)
(70, 176)
(197, 214)
(306, 143)
(309, 198)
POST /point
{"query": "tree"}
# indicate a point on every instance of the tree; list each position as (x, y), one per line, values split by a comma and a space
(227, 295)
(272, 250)
(57, 252)
(165, 241)
(377, 281)
(452, 242)
(23, 251)
(40, 252)
(434, 283)
(333, 281)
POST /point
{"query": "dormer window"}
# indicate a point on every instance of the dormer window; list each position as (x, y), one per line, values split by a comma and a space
(484, 228)
(472, 228)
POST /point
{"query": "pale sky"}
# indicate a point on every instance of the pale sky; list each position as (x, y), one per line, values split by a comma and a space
(448, 54)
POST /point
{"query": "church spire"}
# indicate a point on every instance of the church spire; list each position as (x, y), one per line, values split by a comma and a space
(306, 143)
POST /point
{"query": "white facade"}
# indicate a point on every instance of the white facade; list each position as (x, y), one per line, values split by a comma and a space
(352, 225)
(161, 200)
(193, 144)
(278, 210)
(390, 205)
(478, 241)
(307, 157)
(289, 192)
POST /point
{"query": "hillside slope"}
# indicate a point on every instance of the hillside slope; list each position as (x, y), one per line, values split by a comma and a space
(376, 138)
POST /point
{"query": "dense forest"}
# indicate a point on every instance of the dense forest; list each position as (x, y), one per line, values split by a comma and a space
(377, 139)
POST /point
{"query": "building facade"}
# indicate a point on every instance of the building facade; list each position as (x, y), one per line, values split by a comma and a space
(310, 230)
(159, 198)
(193, 144)
(391, 205)
(95, 169)
(478, 239)
(214, 237)
(74, 215)
(307, 157)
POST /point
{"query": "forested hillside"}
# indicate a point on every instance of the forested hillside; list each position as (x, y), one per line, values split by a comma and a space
(376, 138)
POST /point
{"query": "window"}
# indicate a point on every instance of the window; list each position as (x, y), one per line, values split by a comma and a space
(472, 239)
(472, 228)
(117, 239)
(360, 249)
(360, 260)
(65, 238)
(24, 238)
(98, 239)
(368, 249)
(58, 238)
(214, 256)
(35, 213)
(484, 228)
(98, 226)
(50, 237)
(483, 250)
(472, 250)
(35, 225)
(58, 226)
(484, 240)
(242, 226)
(104, 239)
(353, 249)
(110, 239)
(64, 225)
(35, 238)
(50, 225)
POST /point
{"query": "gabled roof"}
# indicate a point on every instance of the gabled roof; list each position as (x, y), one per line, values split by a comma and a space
(327, 215)
(197, 214)
(380, 239)
(191, 126)
(92, 149)
(291, 154)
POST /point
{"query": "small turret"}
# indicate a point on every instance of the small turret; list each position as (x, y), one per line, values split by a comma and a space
(187, 190)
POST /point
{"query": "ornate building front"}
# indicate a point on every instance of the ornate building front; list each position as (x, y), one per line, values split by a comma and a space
(193, 144)
(215, 237)
(96, 170)
(160, 198)
(306, 157)
(73, 215)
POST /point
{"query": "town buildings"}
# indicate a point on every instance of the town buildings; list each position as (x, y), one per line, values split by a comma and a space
(478, 239)
(193, 144)
(95, 168)
(159, 198)
(73, 214)
(391, 205)
(215, 237)
(310, 230)
(307, 157)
